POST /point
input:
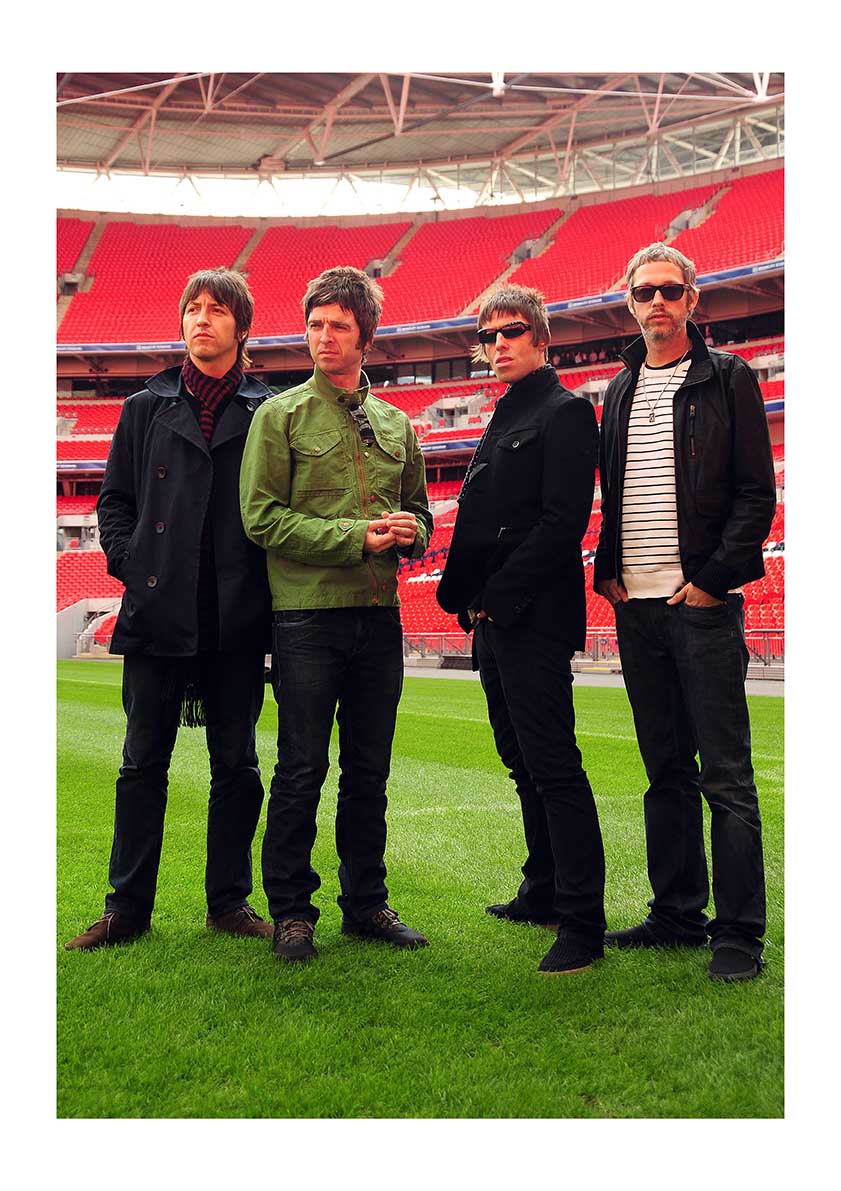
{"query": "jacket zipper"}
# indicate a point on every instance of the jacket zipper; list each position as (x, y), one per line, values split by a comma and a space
(692, 430)
(365, 510)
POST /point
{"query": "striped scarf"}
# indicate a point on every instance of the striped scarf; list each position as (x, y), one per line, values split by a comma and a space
(209, 391)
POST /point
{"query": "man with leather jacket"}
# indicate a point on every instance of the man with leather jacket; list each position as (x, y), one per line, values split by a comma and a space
(514, 575)
(194, 625)
(688, 497)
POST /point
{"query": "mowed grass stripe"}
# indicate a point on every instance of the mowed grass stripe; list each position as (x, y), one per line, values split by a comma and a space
(186, 1023)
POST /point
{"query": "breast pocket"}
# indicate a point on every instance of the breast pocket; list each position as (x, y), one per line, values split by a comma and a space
(389, 460)
(319, 462)
(321, 478)
(517, 451)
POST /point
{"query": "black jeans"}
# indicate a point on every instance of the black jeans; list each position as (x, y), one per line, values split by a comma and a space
(351, 658)
(527, 681)
(232, 687)
(684, 671)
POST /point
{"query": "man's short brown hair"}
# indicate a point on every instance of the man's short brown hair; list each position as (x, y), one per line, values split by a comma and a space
(351, 289)
(229, 287)
(519, 300)
(662, 252)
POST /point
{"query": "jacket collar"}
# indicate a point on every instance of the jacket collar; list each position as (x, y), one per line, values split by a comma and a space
(635, 352)
(233, 422)
(534, 385)
(168, 384)
(347, 397)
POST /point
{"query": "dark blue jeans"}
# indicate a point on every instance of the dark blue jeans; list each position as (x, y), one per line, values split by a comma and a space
(350, 658)
(527, 681)
(684, 671)
(232, 687)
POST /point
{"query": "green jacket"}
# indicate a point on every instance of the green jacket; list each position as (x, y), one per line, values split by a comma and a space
(309, 486)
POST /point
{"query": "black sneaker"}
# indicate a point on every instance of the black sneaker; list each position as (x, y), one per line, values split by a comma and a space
(568, 955)
(112, 928)
(647, 935)
(731, 964)
(385, 926)
(513, 911)
(293, 940)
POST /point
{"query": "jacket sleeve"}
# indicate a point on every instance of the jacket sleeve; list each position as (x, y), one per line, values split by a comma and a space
(116, 508)
(754, 495)
(570, 449)
(265, 486)
(413, 497)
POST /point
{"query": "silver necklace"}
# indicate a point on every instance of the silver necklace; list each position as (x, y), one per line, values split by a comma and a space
(652, 408)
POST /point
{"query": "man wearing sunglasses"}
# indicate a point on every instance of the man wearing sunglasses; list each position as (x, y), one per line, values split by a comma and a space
(333, 488)
(688, 496)
(514, 575)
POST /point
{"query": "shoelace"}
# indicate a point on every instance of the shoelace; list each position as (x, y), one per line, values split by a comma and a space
(107, 917)
(296, 930)
(386, 917)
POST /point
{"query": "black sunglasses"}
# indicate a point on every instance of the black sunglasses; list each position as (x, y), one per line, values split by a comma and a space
(671, 292)
(366, 430)
(509, 331)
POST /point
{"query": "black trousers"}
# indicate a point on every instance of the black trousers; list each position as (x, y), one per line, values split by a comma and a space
(345, 663)
(527, 680)
(684, 672)
(232, 686)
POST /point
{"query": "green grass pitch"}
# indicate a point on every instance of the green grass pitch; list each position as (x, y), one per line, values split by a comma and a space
(185, 1023)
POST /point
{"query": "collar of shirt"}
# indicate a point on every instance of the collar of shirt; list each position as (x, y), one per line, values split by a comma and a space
(348, 397)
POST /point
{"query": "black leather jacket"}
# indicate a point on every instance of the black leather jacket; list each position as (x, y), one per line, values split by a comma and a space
(724, 469)
(516, 548)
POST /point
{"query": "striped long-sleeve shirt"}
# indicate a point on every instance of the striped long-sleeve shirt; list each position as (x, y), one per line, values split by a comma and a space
(650, 550)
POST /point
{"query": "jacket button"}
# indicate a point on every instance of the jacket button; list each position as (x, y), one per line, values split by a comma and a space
(516, 442)
(250, 406)
(161, 472)
(152, 581)
(160, 526)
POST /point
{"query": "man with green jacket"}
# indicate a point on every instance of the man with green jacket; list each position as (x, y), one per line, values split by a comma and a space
(333, 488)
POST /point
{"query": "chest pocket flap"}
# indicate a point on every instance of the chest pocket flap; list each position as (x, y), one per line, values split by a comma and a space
(516, 440)
(315, 445)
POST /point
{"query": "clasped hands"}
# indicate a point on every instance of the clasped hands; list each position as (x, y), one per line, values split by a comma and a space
(390, 529)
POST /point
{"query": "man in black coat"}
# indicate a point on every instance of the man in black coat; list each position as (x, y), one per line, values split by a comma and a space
(514, 575)
(688, 497)
(195, 622)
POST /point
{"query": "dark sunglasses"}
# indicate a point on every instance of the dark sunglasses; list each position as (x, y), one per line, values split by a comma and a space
(671, 292)
(509, 331)
(366, 430)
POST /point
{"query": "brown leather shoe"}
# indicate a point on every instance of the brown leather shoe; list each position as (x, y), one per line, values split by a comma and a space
(111, 929)
(244, 920)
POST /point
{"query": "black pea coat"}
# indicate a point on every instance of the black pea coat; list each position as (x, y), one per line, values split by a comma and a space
(516, 548)
(161, 481)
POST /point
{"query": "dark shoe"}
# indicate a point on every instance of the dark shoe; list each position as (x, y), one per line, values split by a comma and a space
(513, 912)
(244, 920)
(111, 929)
(568, 955)
(730, 964)
(385, 926)
(293, 940)
(646, 935)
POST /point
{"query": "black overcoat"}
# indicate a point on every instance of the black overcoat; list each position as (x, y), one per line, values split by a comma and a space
(516, 548)
(161, 481)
